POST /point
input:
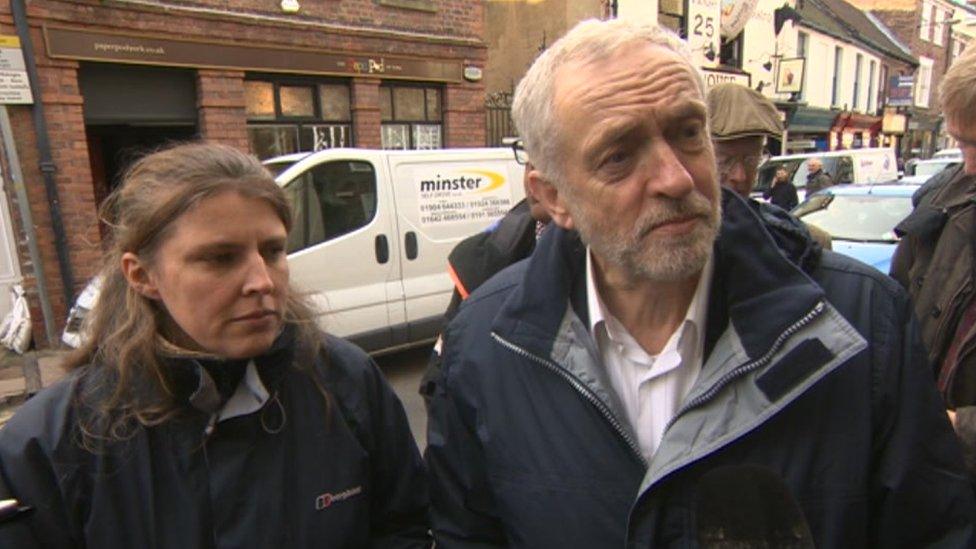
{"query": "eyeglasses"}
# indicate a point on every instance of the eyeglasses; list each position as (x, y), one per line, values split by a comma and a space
(519, 149)
(748, 162)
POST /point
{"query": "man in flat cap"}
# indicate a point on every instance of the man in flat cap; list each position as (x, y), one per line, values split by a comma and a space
(740, 119)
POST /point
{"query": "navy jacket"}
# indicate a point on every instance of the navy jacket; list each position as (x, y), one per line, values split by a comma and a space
(291, 474)
(813, 369)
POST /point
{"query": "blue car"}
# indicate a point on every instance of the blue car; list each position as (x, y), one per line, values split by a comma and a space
(861, 219)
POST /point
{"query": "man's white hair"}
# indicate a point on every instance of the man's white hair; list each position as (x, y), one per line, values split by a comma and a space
(589, 41)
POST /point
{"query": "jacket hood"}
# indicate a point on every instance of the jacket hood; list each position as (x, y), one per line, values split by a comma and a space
(760, 256)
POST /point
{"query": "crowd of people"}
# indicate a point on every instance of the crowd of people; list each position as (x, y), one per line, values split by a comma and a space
(658, 360)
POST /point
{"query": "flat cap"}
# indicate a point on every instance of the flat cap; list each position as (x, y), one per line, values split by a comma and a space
(736, 111)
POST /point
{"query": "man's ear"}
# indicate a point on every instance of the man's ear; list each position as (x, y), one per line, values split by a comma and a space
(137, 274)
(551, 199)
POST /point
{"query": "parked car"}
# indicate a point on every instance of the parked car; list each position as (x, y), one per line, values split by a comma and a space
(861, 219)
(948, 153)
(372, 231)
(922, 170)
(858, 166)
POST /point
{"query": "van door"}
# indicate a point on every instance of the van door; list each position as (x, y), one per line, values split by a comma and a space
(441, 199)
(343, 249)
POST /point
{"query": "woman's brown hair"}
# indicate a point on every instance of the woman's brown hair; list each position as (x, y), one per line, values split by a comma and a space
(125, 385)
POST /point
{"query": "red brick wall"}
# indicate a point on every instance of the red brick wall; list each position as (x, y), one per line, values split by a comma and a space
(464, 115)
(366, 112)
(454, 32)
(905, 25)
(62, 104)
(220, 100)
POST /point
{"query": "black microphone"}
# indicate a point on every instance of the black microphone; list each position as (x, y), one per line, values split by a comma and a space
(748, 506)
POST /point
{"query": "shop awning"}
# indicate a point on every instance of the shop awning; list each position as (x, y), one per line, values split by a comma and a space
(812, 120)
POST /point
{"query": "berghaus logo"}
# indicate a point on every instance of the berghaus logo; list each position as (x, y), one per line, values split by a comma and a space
(324, 501)
(479, 181)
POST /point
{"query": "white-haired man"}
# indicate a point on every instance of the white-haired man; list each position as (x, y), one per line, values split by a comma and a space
(936, 259)
(650, 340)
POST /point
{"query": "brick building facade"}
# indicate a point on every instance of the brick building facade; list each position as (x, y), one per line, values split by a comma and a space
(926, 27)
(119, 77)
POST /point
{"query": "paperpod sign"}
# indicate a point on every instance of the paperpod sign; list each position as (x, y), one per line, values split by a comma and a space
(735, 15)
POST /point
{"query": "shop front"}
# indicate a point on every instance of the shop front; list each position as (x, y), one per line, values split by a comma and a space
(852, 130)
(809, 129)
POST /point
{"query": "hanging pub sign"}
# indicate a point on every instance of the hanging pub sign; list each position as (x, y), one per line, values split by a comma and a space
(735, 15)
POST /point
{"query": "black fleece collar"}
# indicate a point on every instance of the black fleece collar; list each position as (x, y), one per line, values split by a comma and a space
(206, 382)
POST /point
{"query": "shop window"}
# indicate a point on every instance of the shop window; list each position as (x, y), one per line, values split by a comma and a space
(260, 100)
(330, 200)
(835, 83)
(411, 117)
(290, 115)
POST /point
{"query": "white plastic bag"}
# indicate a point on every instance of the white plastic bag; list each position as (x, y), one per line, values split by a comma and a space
(15, 330)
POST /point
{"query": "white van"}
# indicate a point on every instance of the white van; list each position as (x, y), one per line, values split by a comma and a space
(857, 166)
(373, 230)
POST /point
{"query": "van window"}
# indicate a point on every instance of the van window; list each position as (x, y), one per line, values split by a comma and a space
(330, 200)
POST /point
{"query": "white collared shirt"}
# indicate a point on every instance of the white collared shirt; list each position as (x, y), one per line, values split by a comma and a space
(651, 388)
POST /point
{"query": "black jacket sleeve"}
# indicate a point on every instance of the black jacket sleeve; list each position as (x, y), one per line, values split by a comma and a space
(35, 472)
(922, 495)
(461, 502)
(398, 513)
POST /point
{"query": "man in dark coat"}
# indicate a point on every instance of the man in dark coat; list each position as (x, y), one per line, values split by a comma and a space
(817, 179)
(651, 340)
(936, 259)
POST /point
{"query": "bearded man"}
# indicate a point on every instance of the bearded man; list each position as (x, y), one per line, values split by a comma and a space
(663, 330)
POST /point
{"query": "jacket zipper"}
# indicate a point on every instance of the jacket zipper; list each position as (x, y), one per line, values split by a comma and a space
(580, 388)
(750, 366)
(728, 378)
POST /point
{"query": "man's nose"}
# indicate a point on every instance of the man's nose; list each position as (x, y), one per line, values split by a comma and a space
(666, 174)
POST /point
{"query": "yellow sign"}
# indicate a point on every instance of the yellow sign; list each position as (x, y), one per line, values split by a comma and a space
(7, 41)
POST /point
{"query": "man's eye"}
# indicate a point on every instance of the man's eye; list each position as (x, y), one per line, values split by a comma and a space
(615, 159)
(691, 132)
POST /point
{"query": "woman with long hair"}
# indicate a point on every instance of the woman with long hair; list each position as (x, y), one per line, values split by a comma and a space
(206, 408)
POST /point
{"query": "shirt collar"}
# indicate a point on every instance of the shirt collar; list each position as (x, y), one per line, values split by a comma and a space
(695, 315)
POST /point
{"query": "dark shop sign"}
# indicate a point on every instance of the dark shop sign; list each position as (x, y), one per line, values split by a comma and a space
(67, 43)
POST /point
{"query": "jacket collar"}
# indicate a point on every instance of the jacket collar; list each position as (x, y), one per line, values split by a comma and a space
(191, 376)
(758, 284)
(933, 201)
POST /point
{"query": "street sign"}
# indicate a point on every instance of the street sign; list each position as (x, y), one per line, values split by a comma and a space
(14, 83)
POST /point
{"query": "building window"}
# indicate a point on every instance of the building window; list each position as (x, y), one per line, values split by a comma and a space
(923, 82)
(835, 89)
(411, 117)
(802, 47)
(938, 22)
(730, 52)
(925, 23)
(290, 115)
(856, 99)
(870, 107)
